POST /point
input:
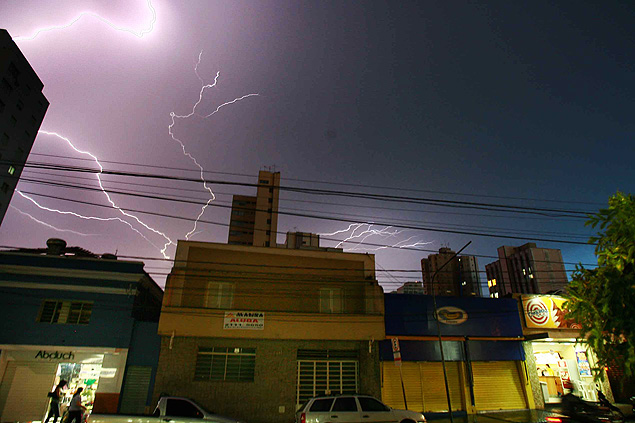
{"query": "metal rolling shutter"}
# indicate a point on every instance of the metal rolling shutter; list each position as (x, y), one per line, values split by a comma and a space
(135, 390)
(498, 386)
(326, 371)
(424, 384)
(26, 397)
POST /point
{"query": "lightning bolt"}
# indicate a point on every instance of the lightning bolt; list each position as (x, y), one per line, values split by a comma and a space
(48, 225)
(174, 116)
(112, 203)
(101, 219)
(368, 231)
(138, 34)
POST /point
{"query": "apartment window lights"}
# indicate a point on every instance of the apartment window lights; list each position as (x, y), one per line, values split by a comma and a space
(11, 170)
(65, 312)
(225, 363)
(331, 300)
(219, 295)
(264, 181)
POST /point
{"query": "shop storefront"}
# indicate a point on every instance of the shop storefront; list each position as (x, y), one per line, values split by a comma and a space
(30, 372)
(484, 356)
(558, 363)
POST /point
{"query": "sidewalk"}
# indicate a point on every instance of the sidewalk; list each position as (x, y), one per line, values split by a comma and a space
(519, 416)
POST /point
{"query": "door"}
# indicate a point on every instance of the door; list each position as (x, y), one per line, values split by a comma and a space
(344, 410)
(326, 377)
(374, 411)
(135, 390)
(498, 386)
(29, 384)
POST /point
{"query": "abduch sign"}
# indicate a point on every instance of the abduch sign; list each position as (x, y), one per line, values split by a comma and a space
(249, 320)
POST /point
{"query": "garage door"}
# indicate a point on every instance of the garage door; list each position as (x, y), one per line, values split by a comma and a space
(26, 398)
(424, 385)
(498, 386)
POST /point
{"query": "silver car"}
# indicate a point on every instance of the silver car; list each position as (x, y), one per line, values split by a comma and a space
(353, 409)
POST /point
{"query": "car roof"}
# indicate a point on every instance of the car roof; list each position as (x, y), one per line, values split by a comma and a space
(340, 395)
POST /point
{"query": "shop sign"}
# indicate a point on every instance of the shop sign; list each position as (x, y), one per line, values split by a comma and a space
(583, 363)
(55, 355)
(451, 315)
(250, 320)
(396, 352)
(546, 312)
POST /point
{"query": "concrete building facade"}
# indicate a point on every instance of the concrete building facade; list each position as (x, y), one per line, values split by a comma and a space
(254, 220)
(526, 270)
(459, 277)
(86, 318)
(22, 109)
(275, 326)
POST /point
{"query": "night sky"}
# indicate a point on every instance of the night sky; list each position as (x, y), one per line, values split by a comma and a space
(516, 103)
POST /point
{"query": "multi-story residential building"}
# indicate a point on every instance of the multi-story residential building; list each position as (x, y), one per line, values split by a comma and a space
(272, 326)
(70, 314)
(412, 288)
(526, 270)
(254, 220)
(22, 109)
(459, 277)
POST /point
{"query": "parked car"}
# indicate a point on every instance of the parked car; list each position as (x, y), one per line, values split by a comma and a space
(169, 409)
(353, 409)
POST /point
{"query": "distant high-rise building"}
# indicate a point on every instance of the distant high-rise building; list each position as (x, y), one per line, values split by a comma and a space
(526, 270)
(460, 277)
(254, 220)
(22, 109)
(412, 288)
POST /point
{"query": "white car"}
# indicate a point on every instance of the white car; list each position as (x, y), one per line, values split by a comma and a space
(353, 409)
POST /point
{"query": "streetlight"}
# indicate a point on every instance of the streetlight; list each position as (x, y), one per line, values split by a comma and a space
(434, 304)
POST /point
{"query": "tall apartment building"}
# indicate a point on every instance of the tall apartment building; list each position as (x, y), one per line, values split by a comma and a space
(526, 270)
(254, 220)
(416, 288)
(22, 109)
(458, 278)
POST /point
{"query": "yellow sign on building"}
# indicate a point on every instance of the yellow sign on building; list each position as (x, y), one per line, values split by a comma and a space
(546, 312)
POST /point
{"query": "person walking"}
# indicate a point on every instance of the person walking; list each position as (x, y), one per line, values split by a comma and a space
(54, 407)
(76, 409)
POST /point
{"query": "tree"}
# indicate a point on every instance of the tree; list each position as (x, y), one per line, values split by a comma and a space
(602, 300)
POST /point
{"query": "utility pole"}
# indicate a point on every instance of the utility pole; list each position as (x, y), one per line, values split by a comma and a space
(434, 304)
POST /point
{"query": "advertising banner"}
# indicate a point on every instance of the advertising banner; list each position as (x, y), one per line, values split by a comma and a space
(546, 312)
(249, 320)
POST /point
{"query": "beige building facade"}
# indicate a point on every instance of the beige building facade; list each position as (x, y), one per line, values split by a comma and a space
(253, 332)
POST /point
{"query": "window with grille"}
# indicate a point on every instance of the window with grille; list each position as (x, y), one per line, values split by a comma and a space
(219, 295)
(326, 372)
(225, 363)
(331, 300)
(65, 312)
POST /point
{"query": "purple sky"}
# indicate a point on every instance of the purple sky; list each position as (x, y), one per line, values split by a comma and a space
(497, 99)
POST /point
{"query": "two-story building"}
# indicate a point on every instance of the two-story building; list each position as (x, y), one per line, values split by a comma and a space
(253, 332)
(88, 319)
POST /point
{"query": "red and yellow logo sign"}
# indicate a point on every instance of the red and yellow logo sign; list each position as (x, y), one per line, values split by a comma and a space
(546, 312)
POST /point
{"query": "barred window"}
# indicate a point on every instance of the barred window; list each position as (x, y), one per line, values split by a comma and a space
(65, 312)
(225, 363)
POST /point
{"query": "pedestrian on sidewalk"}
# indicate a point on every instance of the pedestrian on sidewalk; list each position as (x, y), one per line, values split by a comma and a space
(54, 407)
(76, 409)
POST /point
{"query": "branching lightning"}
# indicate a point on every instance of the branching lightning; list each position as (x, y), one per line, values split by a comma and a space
(138, 34)
(360, 232)
(112, 203)
(101, 219)
(46, 224)
(174, 116)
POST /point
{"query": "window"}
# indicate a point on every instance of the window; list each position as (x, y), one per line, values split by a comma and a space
(19, 105)
(11, 170)
(182, 408)
(268, 221)
(5, 139)
(225, 363)
(14, 120)
(264, 181)
(322, 404)
(270, 200)
(371, 404)
(6, 87)
(345, 404)
(219, 295)
(1, 106)
(65, 312)
(5, 187)
(13, 70)
(330, 300)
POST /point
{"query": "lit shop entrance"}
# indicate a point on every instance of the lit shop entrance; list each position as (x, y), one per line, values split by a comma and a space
(563, 367)
(28, 375)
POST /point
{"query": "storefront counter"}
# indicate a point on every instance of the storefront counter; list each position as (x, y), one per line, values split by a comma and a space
(554, 385)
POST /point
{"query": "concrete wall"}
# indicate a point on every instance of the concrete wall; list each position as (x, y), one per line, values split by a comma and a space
(530, 361)
(275, 379)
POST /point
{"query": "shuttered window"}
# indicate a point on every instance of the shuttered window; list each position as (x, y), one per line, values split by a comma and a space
(497, 386)
(65, 312)
(225, 363)
(135, 389)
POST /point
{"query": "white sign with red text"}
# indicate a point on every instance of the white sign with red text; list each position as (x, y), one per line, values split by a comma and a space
(249, 320)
